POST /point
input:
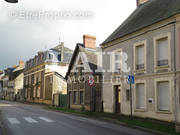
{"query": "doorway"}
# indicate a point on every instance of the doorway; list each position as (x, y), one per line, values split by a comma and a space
(117, 89)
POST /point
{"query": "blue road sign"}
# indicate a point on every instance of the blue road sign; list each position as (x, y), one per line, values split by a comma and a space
(130, 79)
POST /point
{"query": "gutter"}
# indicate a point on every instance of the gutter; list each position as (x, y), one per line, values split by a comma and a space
(173, 22)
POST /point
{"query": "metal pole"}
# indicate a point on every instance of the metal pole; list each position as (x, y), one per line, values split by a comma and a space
(131, 100)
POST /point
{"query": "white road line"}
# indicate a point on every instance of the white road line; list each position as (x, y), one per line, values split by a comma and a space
(46, 119)
(30, 120)
(13, 121)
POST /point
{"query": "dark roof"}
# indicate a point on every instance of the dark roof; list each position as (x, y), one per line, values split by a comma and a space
(91, 57)
(146, 14)
(58, 48)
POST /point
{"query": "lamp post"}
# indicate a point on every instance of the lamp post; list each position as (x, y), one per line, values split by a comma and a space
(12, 1)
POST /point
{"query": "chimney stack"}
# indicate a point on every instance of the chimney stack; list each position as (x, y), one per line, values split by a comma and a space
(89, 41)
(21, 63)
(140, 2)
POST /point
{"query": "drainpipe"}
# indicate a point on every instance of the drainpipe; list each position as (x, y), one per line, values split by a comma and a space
(175, 82)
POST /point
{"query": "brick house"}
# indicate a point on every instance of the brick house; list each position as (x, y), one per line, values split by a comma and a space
(80, 93)
(150, 37)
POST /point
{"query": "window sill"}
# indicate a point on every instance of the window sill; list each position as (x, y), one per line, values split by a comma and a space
(162, 67)
(164, 112)
(139, 70)
(140, 110)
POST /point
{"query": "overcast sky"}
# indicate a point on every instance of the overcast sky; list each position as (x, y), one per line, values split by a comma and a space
(23, 32)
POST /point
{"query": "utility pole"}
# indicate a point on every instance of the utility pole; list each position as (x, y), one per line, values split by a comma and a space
(131, 81)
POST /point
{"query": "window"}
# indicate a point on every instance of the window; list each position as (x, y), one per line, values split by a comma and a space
(117, 59)
(163, 96)
(140, 96)
(75, 97)
(50, 79)
(139, 57)
(50, 56)
(59, 57)
(81, 97)
(162, 52)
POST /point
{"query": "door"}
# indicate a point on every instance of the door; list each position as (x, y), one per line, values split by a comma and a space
(117, 99)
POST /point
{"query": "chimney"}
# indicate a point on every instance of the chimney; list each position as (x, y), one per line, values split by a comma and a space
(89, 41)
(21, 63)
(140, 2)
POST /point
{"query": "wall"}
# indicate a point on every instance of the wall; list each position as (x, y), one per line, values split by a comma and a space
(149, 76)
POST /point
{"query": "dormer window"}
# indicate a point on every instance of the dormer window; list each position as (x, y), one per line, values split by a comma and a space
(50, 56)
(59, 57)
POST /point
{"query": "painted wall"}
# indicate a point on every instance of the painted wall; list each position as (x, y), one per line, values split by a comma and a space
(149, 76)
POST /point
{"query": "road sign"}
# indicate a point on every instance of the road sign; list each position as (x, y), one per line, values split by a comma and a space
(130, 79)
(91, 80)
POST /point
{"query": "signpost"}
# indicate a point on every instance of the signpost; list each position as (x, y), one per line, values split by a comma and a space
(131, 81)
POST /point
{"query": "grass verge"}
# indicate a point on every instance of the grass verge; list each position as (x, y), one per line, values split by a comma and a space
(160, 126)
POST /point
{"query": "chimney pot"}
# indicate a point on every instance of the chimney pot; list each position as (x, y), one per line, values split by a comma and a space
(89, 41)
(140, 2)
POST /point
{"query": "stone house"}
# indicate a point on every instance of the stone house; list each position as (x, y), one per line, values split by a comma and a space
(150, 37)
(81, 95)
(44, 74)
(12, 82)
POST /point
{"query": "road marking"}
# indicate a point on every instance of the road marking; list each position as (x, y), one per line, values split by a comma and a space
(30, 120)
(46, 119)
(13, 121)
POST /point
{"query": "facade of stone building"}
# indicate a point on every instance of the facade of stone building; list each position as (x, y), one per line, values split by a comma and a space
(151, 39)
(44, 74)
(81, 95)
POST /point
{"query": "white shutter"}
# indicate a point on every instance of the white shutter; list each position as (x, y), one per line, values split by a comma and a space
(162, 49)
(163, 96)
(140, 96)
(140, 54)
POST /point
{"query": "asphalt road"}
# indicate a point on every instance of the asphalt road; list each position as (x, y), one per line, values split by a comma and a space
(23, 119)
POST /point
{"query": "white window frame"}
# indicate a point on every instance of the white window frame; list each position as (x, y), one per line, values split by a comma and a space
(113, 59)
(145, 99)
(161, 36)
(140, 43)
(159, 80)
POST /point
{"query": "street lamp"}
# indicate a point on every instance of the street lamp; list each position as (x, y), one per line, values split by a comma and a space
(12, 1)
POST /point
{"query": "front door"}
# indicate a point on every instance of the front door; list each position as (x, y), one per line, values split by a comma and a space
(117, 99)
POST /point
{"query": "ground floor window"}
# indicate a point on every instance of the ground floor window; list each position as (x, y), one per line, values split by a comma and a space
(81, 97)
(163, 96)
(75, 97)
(140, 96)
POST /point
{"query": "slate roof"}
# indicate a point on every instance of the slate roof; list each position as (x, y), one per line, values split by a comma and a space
(146, 14)
(58, 48)
(90, 54)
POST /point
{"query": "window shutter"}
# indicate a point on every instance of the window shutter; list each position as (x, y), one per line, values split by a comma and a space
(163, 96)
(140, 55)
(162, 49)
(140, 96)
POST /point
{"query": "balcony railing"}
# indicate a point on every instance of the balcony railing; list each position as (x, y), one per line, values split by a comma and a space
(140, 66)
(162, 62)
